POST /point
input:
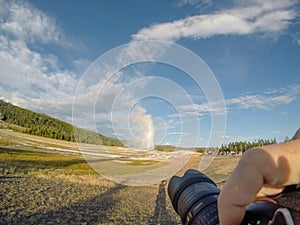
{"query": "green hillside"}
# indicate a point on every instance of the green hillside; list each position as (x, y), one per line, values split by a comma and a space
(26, 121)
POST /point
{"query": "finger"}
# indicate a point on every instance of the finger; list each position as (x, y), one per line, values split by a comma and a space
(268, 190)
(266, 199)
(275, 165)
(240, 189)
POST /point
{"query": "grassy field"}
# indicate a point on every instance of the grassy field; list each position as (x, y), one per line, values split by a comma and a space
(41, 186)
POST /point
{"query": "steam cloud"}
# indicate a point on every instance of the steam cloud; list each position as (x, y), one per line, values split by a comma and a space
(142, 129)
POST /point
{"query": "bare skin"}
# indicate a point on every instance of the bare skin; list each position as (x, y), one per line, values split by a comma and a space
(261, 172)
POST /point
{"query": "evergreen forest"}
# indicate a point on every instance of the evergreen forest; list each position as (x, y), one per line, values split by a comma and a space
(26, 121)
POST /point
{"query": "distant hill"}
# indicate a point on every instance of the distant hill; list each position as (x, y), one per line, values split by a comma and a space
(26, 121)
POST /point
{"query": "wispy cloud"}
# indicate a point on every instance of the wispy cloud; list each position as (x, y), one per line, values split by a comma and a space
(177, 133)
(296, 36)
(268, 100)
(30, 71)
(30, 78)
(202, 109)
(265, 17)
(203, 3)
(25, 22)
(35, 80)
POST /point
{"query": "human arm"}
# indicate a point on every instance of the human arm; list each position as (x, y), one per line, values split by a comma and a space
(261, 172)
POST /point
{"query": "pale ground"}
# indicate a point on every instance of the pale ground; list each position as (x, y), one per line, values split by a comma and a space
(88, 199)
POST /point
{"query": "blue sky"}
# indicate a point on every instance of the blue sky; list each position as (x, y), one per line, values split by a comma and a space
(251, 47)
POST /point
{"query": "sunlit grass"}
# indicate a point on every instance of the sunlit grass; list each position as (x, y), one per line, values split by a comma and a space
(40, 184)
(42, 161)
(139, 162)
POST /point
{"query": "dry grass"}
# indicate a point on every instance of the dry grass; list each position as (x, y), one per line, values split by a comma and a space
(41, 187)
(42, 162)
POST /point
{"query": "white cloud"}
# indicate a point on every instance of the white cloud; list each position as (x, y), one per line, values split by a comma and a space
(32, 79)
(177, 133)
(202, 3)
(29, 78)
(227, 137)
(296, 37)
(258, 101)
(105, 95)
(201, 109)
(35, 80)
(268, 100)
(266, 17)
(25, 22)
(30, 72)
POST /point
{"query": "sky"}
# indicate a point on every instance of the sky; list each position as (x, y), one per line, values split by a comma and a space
(107, 66)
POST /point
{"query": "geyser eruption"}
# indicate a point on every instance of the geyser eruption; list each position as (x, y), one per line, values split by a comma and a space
(142, 129)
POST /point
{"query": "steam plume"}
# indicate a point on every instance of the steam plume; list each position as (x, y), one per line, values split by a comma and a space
(142, 129)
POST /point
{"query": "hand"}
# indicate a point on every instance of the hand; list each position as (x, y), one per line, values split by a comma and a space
(260, 173)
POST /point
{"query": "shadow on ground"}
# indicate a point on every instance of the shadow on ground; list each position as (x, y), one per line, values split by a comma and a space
(32, 200)
(162, 214)
(46, 202)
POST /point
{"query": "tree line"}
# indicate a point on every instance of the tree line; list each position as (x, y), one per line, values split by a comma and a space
(24, 120)
(242, 146)
(232, 148)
